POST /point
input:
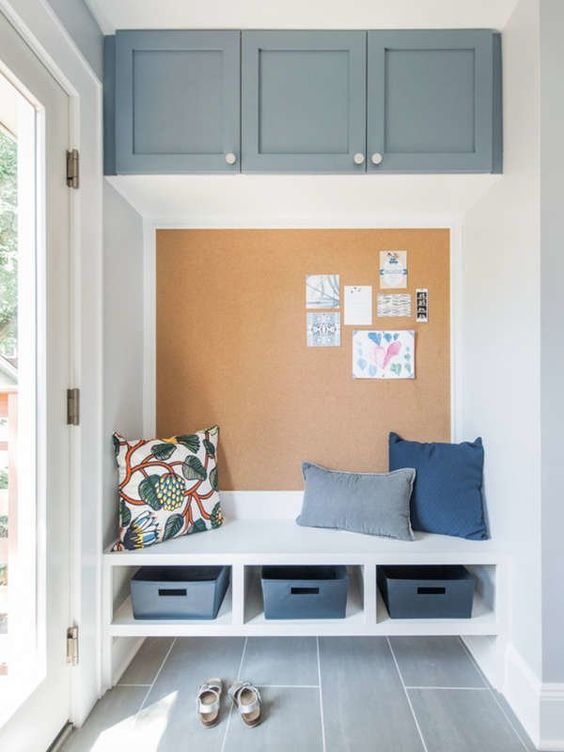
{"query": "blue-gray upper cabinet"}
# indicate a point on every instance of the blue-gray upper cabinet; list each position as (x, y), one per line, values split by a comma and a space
(304, 101)
(434, 101)
(177, 101)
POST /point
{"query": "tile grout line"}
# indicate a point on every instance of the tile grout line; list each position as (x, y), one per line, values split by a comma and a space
(288, 686)
(125, 684)
(165, 659)
(408, 698)
(463, 689)
(493, 694)
(322, 717)
(228, 723)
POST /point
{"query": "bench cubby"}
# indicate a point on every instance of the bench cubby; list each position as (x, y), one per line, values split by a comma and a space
(247, 545)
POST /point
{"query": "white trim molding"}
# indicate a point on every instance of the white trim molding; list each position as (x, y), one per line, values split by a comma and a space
(538, 706)
(149, 328)
(262, 505)
(456, 350)
(41, 29)
(552, 717)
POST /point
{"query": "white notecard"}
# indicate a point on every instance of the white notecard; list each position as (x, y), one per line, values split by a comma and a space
(393, 269)
(358, 305)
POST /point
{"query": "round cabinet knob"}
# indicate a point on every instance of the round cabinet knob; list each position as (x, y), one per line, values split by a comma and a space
(230, 158)
(376, 158)
(358, 158)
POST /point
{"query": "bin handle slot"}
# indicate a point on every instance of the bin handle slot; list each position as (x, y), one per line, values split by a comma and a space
(431, 590)
(172, 591)
(304, 591)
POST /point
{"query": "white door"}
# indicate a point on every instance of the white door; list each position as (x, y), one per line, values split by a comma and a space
(35, 522)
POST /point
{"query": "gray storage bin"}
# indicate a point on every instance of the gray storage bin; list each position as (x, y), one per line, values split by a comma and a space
(178, 592)
(300, 592)
(427, 592)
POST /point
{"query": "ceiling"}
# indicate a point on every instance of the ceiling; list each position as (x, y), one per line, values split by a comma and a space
(312, 14)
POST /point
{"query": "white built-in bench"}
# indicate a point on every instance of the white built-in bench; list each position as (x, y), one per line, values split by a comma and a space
(245, 544)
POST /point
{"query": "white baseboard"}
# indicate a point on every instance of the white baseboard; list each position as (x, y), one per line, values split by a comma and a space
(552, 717)
(539, 707)
(522, 690)
(486, 653)
(124, 651)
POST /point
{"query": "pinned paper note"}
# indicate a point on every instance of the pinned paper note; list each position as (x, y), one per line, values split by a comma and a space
(394, 304)
(393, 270)
(358, 305)
(323, 329)
(383, 355)
(322, 291)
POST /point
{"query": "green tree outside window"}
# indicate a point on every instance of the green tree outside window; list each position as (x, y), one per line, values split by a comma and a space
(8, 246)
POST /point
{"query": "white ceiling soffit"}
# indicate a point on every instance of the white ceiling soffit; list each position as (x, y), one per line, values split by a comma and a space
(296, 14)
(303, 200)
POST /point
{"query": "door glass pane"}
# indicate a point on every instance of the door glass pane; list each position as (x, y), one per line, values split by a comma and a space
(18, 363)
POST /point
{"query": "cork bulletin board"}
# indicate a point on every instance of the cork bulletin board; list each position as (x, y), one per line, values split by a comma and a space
(231, 350)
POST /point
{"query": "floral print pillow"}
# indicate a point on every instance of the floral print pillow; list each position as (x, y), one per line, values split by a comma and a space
(167, 487)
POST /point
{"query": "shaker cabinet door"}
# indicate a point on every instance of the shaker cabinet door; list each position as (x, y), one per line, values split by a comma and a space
(177, 101)
(434, 101)
(304, 101)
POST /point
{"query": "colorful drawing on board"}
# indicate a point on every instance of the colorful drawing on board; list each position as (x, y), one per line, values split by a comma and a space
(383, 355)
(322, 290)
(393, 270)
(323, 330)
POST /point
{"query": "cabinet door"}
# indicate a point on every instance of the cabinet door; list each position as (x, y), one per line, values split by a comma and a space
(304, 101)
(434, 101)
(177, 104)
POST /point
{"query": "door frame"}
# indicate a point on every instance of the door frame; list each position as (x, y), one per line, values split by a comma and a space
(40, 28)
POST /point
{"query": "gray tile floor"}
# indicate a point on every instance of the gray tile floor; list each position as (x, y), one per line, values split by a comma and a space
(331, 694)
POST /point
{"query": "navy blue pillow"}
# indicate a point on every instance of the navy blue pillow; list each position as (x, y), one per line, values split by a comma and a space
(447, 496)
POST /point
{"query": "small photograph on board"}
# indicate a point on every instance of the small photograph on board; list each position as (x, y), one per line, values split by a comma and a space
(322, 290)
(393, 270)
(422, 305)
(383, 355)
(394, 304)
(323, 329)
(358, 305)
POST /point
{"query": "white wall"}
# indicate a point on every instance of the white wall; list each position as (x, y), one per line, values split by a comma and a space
(552, 335)
(500, 325)
(123, 339)
(83, 28)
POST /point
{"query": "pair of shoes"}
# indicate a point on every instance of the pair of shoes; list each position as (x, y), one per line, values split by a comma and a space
(244, 696)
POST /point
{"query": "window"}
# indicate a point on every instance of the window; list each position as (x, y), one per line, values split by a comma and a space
(19, 590)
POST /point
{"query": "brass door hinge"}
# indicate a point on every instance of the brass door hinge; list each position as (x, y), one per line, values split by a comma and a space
(72, 646)
(73, 407)
(73, 168)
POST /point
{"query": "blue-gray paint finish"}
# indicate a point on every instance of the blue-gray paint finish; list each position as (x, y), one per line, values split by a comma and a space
(110, 105)
(177, 102)
(434, 101)
(172, 101)
(497, 145)
(303, 101)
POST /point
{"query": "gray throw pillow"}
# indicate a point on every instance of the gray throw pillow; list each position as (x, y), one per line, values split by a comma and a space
(369, 503)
